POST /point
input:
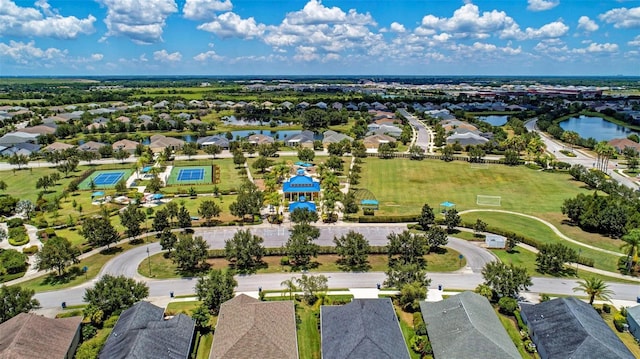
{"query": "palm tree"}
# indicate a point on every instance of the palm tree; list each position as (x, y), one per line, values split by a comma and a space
(571, 137)
(485, 291)
(595, 288)
(631, 246)
(291, 286)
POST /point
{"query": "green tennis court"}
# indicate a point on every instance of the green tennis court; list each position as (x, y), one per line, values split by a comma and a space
(190, 175)
(105, 179)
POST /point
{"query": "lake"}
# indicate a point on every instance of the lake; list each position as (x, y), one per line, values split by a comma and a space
(596, 127)
(494, 120)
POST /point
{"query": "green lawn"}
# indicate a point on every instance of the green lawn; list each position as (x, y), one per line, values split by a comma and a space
(229, 178)
(406, 326)
(402, 186)
(536, 230)
(164, 268)
(308, 333)
(182, 307)
(512, 329)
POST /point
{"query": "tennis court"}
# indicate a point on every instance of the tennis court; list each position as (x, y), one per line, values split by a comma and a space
(190, 175)
(105, 179)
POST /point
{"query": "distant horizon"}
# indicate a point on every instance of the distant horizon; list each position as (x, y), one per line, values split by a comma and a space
(318, 37)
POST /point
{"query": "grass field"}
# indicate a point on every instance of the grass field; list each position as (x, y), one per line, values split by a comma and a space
(164, 268)
(402, 186)
(207, 175)
(308, 333)
(230, 178)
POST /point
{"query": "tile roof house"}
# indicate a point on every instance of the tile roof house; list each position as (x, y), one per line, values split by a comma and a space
(249, 328)
(464, 325)
(364, 328)
(141, 332)
(621, 143)
(159, 142)
(570, 328)
(126, 145)
(30, 336)
(40, 130)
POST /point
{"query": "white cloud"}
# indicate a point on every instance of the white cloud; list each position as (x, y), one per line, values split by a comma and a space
(27, 52)
(467, 22)
(314, 13)
(622, 17)
(635, 41)
(164, 56)
(205, 9)
(550, 30)
(140, 20)
(541, 5)
(586, 24)
(97, 57)
(231, 24)
(27, 22)
(598, 48)
(306, 53)
(397, 27)
(206, 56)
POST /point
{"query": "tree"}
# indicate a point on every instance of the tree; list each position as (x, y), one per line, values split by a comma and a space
(306, 154)
(552, 257)
(15, 300)
(172, 210)
(68, 166)
(436, 238)
(189, 149)
(416, 152)
(248, 202)
(238, 158)
(161, 220)
(167, 240)
(3, 185)
(209, 209)
(595, 288)
(571, 137)
(427, 217)
(25, 207)
(290, 284)
(399, 275)
(334, 163)
(300, 246)
(19, 160)
(201, 316)
(213, 150)
(410, 296)
(121, 186)
(312, 285)
(190, 253)
(57, 253)
(154, 184)
(113, 294)
(131, 218)
(261, 163)
(244, 250)
(99, 231)
(479, 227)
(447, 153)
(506, 280)
(353, 249)
(121, 155)
(44, 182)
(485, 291)
(406, 248)
(507, 305)
(476, 154)
(3, 234)
(216, 288)
(12, 261)
(184, 218)
(452, 219)
(631, 246)
(385, 150)
(303, 216)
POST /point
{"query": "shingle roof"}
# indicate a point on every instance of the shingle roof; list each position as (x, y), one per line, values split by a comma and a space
(464, 325)
(141, 332)
(571, 328)
(364, 328)
(249, 328)
(31, 336)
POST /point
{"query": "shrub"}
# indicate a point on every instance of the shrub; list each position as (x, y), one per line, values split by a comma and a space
(13, 261)
(418, 324)
(110, 322)
(90, 348)
(507, 305)
(529, 346)
(606, 308)
(15, 222)
(519, 320)
(88, 331)
(30, 250)
(421, 345)
(284, 261)
(619, 322)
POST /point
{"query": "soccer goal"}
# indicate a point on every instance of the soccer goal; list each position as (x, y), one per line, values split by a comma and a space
(482, 200)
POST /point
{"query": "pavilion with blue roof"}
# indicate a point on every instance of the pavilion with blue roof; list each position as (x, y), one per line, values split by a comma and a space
(301, 185)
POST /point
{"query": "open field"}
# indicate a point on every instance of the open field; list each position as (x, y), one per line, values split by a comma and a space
(402, 186)
(163, 268)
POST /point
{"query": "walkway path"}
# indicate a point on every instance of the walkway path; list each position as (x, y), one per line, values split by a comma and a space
(551, 226)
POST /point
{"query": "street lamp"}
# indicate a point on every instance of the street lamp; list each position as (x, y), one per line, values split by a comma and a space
(149, 261)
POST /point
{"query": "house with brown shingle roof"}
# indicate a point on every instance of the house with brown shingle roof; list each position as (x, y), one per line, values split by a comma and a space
(125, 145)
(374, 141)
(160, 142)
(249, 328)
(621, 143)
(30, 336)
(40, 130)
(58, 146)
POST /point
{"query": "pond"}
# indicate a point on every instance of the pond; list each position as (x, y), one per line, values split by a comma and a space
(596, 127)
(494, 120)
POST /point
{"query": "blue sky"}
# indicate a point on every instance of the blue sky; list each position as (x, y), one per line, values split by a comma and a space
(313, 37)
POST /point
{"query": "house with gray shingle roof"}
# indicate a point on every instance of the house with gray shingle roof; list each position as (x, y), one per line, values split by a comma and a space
(91, 146)
(364, 328)
(31, 336)
(331, 136)
(303, 139)
(141, 332)
(570, 328)
(159, 142)
(219, 140)
(465, 325)
(249, 328)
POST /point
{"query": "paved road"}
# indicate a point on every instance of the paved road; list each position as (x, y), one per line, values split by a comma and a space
(554, 147)
(423, 138)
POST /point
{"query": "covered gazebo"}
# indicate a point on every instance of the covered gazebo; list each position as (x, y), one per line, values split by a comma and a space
(301, 185)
